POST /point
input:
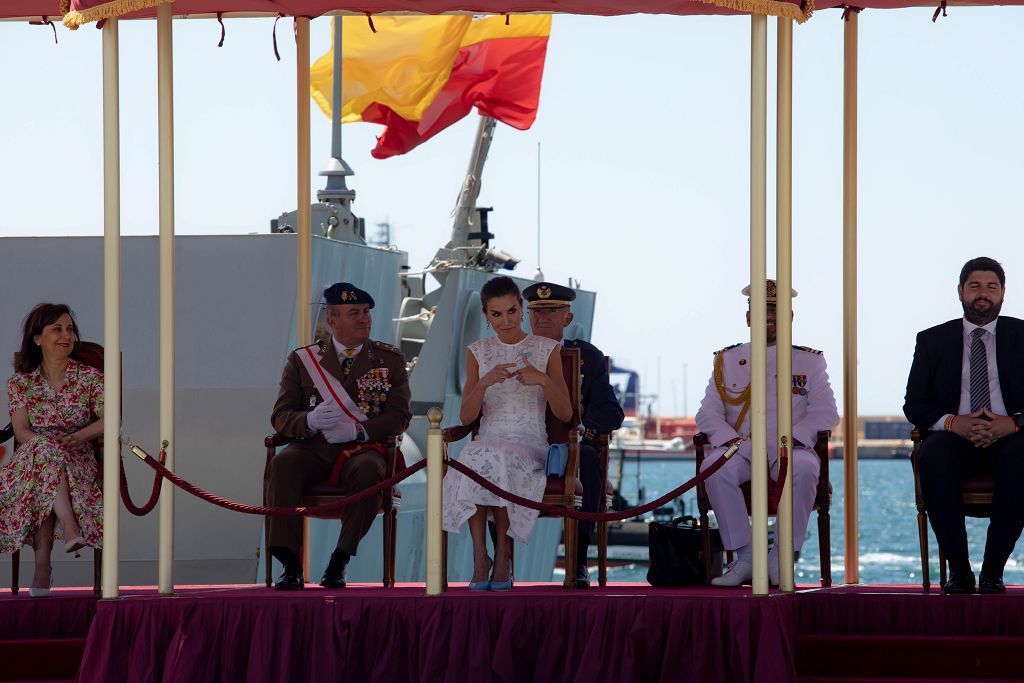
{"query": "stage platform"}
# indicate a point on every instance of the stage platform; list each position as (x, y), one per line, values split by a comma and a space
(537, 632)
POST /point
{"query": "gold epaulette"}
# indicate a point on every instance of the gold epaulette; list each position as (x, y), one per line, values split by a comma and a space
(727, 348)
(388, 347)
(808, 349)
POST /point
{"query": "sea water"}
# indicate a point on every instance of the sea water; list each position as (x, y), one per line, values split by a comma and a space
(889, 547)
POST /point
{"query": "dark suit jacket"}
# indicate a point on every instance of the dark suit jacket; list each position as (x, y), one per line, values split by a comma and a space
(933, 388)
(602, 413)
(385, 400)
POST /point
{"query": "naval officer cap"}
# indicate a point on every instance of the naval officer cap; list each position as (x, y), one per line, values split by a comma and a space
(346, 293)
(548, 295)
(773, 292)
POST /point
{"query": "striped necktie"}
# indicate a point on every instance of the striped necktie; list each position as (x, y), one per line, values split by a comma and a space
(979, 372)
(350, 357)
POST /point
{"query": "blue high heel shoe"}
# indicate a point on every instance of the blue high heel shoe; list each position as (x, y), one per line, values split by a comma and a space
(482, 585)
(502, 586)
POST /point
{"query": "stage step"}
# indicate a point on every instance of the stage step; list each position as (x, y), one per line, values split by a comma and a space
(881, 659)
(41, 660)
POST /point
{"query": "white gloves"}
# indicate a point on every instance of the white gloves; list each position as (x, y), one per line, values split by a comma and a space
(329, 419)
(323, 416)
(341, 432)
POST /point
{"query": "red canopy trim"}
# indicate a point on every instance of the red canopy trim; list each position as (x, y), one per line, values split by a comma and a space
(85, 11)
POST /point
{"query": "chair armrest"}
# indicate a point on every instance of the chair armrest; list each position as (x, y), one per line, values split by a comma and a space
(277, 440)
(7, 433)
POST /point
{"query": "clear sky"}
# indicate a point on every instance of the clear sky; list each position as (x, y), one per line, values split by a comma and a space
(644, 133)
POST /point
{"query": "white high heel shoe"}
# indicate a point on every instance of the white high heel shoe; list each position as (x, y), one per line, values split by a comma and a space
(35, 592)
(74, 545)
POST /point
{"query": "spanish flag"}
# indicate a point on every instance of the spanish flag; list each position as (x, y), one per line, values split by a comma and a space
(419, 75)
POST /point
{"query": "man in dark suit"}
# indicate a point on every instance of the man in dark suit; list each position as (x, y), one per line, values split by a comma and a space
(340, 399)
(549, 316)
(966, 391)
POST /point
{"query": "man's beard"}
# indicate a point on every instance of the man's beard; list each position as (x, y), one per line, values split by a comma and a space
(981, 317)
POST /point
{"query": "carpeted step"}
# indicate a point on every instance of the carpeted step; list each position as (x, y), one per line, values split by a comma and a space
(43, 659)
(908, 658)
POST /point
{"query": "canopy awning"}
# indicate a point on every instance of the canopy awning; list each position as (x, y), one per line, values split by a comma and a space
(84, 11)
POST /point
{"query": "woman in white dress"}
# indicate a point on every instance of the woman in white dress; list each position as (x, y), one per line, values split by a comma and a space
(510, 380)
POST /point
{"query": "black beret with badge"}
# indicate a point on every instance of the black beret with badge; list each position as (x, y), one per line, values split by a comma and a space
(548, 295)
(346, 293)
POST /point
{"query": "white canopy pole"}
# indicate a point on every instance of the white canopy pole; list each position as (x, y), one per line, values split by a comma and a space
(435, 475)
(784, 302)
(165, 104)
(758, 296)
(303, 297)
(111, 312)
(850, 427)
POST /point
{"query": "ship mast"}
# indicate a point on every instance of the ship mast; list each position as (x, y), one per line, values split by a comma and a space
(470, 241)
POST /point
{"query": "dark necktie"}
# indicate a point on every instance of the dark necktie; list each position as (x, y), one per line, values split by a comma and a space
(979, 372)
(350, 357)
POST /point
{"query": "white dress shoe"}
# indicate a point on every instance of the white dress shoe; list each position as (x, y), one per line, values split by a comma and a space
(737, 573)
(34, 592)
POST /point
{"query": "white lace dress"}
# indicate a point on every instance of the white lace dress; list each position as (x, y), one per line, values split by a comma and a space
(511, 447)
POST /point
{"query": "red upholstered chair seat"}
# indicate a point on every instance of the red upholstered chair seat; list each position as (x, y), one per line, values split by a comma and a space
(556, 487)
(324, 490)
(981, 484)
(322, 493)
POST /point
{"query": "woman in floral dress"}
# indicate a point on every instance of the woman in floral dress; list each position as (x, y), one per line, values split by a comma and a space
(511, 378)
(48, 486)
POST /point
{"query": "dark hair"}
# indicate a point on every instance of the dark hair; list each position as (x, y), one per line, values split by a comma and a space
(31, 355)
(982, 263)
(498, 286)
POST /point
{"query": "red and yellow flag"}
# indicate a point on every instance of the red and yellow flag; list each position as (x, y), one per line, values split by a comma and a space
(419, 75)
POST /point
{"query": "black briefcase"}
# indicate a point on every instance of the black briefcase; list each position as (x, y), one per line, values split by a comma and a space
(676, 555)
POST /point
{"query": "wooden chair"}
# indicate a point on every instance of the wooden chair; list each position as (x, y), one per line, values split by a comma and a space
(91, 354)
(977, 493)
(822, 503)
(567, 491)
(323, 493)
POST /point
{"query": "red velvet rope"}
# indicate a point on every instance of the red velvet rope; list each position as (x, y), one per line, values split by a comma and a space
(333, 508)
(154, 495)
(326, 510)
(560, 511)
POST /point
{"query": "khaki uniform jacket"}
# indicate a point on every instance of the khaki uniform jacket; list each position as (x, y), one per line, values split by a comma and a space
(377, 382)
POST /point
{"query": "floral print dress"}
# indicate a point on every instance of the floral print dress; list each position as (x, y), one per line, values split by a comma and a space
(512, 445)
(29, 478)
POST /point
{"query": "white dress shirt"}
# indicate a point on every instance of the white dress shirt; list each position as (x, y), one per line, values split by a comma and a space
(994, 392)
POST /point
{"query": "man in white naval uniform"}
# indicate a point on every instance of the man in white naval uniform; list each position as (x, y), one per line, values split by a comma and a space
(724, 415)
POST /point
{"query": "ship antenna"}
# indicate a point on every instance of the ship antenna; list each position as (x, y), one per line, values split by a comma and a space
(539, 275)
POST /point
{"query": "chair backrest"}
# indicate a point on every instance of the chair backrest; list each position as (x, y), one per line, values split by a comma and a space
(558, 431)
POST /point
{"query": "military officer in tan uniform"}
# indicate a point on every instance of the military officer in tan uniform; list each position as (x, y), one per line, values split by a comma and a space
(724, 415)
(340, 398)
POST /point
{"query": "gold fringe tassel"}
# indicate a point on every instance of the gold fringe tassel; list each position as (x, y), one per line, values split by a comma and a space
(108, 10)
(786, 10)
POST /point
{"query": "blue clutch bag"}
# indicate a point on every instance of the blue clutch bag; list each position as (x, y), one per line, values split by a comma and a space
(558, 459)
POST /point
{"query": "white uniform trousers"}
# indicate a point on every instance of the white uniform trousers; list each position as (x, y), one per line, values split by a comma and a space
(726, 497)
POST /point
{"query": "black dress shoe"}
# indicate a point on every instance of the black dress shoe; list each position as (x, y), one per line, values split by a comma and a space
(582, 576)
(335, 575)
(959, 583)
(290, 581)
(991, 584)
